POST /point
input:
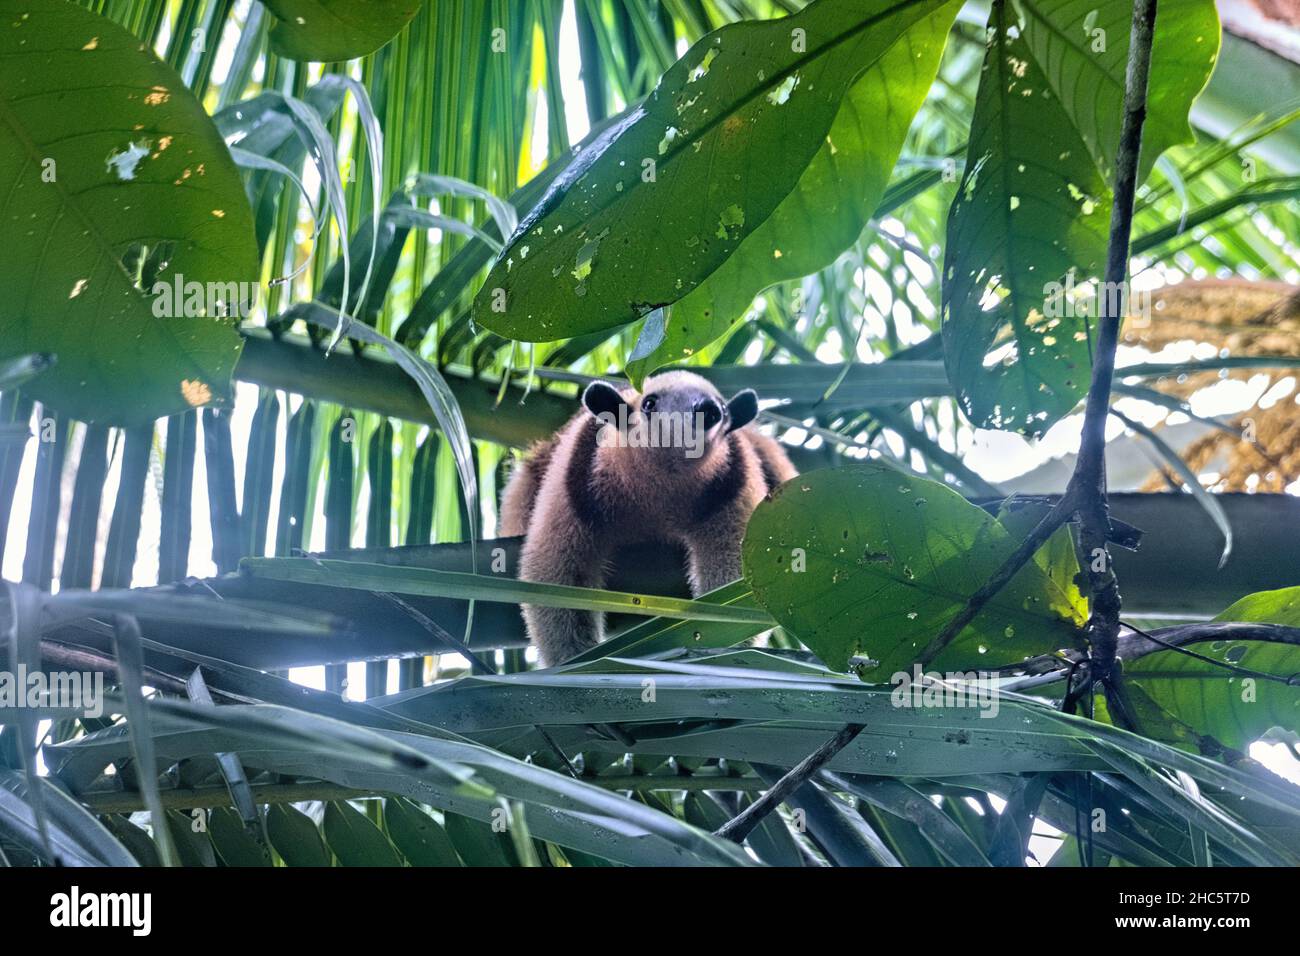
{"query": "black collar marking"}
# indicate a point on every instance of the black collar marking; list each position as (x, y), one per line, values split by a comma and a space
(579, 477)
(725, 487)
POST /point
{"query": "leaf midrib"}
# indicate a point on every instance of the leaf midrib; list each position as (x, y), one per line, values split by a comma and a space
(732, 107)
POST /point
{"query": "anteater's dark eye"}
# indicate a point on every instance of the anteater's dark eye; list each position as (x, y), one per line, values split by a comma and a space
(711, 412)
(648, 403)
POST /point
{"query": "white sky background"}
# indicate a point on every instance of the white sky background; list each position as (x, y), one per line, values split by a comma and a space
(997, 456)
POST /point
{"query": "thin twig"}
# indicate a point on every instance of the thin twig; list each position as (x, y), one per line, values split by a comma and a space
(1291, 681)
(740, 826)
(1088, 482)
(1052, 668)
(555, 749)
(1054, 519)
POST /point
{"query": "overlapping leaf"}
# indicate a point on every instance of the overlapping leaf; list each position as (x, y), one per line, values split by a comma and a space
(661, 199)
(871, 560)
(103, 153)
(832, 201)
(1232, 707)
(1028, 229)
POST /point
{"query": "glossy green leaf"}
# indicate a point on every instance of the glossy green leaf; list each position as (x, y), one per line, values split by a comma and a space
(1057, 558)
(1031, 206)
(1083, 48)
(870, 560)
(326, 30)
(417, 834)
(355, 840)
(832, 201)
(233, 842)
(103, 151)
(1031, 217)
(295, 837)
(1234, 709)
(664, 197)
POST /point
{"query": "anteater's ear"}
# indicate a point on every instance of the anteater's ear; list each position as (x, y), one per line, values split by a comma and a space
(742, 409)
(602, 398)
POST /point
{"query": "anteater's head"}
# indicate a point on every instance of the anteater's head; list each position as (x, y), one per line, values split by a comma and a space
(677, 419)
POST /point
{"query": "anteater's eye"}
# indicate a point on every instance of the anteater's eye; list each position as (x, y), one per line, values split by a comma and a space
(648, 403)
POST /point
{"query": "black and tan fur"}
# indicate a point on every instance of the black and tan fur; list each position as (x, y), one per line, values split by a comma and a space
(577, 502)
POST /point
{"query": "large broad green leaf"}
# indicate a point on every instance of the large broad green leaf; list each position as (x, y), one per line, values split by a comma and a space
(870, 560)
(664, 197)
(103, 152)
(326, 30)
(1232, 708)
(1031, 207)
(1032, 214)
(1082, 47)
(833, 200)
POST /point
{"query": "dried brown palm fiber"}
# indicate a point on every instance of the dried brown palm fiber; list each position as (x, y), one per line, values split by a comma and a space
(1269, 463)
(1246, 318)
(1241, 315)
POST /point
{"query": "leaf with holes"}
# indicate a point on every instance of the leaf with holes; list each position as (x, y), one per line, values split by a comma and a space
(109, 164)
(329, 30)
(662, 198)
(1083, 47)
(831, 203)
(871, 560)
(1232, 708)
(1031, 207)
(1027, 232)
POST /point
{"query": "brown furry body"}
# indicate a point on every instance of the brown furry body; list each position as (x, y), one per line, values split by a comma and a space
(576, 502)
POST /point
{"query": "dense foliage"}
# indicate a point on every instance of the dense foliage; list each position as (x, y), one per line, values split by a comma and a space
(352, 248)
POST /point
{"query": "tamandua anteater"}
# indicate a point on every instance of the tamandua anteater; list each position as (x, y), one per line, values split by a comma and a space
(675, 463)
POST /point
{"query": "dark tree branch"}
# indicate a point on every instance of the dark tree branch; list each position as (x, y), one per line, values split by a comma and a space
(1089, 479)
(1054, 519)
(1085, 495)
(740, 826)
(1134, 645)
